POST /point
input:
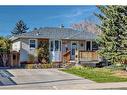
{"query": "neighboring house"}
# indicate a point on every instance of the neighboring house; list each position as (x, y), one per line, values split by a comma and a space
(64, 44)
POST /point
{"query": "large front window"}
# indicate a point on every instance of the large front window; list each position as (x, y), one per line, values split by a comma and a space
(55, 45)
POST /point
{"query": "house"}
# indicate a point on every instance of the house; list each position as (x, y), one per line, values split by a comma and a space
(65, 44)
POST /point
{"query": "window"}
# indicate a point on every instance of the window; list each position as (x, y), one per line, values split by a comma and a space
(81, 44)
(88, 45)
(51, 48)
(56, 45)
(32, 44)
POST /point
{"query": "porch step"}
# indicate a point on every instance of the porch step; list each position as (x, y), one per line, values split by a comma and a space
(72, 61)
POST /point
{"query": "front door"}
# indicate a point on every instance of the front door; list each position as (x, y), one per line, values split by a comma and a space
(73, 48)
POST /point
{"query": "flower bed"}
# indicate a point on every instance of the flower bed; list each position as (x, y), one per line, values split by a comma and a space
(40, 66)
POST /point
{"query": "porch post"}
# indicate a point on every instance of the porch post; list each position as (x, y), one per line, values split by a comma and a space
(76, 56)
(11, 55)
(91, 45)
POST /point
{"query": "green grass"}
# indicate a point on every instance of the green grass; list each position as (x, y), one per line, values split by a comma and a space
(100, 75)
(122, 88)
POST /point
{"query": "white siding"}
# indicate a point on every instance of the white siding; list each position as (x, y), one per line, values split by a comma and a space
(81, 45)
(16, 46)
(66, 44)
(26, 50)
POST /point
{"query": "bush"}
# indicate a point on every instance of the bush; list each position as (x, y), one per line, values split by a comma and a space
(31, 58)
(116, 67)
(43, 52)
(41, 66)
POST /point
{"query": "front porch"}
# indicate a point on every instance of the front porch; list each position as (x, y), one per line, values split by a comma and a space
(82, 50)
(66, 51)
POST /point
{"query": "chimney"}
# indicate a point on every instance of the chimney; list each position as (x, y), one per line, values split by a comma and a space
(35, 28)
(37, 33)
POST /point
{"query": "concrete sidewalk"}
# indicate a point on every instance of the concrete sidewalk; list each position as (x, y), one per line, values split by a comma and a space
(73, 86)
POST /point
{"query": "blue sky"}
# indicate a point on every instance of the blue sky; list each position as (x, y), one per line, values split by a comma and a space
(44, 16)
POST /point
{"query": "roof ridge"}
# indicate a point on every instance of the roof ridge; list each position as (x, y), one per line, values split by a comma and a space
(76, 33)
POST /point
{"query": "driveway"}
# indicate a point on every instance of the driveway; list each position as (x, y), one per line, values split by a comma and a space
(40, 79)
(52, 79)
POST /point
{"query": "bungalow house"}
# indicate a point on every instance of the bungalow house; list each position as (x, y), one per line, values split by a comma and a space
(65, 44)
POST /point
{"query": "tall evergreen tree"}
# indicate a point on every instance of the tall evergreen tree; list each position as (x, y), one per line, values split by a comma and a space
(20, 28)
(113, 39)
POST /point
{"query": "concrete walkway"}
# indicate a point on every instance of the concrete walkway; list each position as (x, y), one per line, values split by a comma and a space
(51, 79)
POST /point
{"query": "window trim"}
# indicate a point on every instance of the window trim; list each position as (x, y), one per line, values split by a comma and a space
(35, 44)
(54, 45)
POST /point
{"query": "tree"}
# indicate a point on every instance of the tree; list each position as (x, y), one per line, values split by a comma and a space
(20, 28)
(113, 39)
(87, 26)
(43, 52)
(5, 45)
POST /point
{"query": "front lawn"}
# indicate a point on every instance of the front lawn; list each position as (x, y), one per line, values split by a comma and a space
(99, 75)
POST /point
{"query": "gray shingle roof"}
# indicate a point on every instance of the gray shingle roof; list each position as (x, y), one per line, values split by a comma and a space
(57, 33)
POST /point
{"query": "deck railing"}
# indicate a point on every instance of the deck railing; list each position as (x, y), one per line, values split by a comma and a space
(88, 56)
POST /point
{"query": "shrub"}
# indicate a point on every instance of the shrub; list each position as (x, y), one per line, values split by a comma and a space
(31, 58)
(41, 66)
(116, 67)
(43, 52)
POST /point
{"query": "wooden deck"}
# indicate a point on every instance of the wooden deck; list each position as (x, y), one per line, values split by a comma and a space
(88, 56)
